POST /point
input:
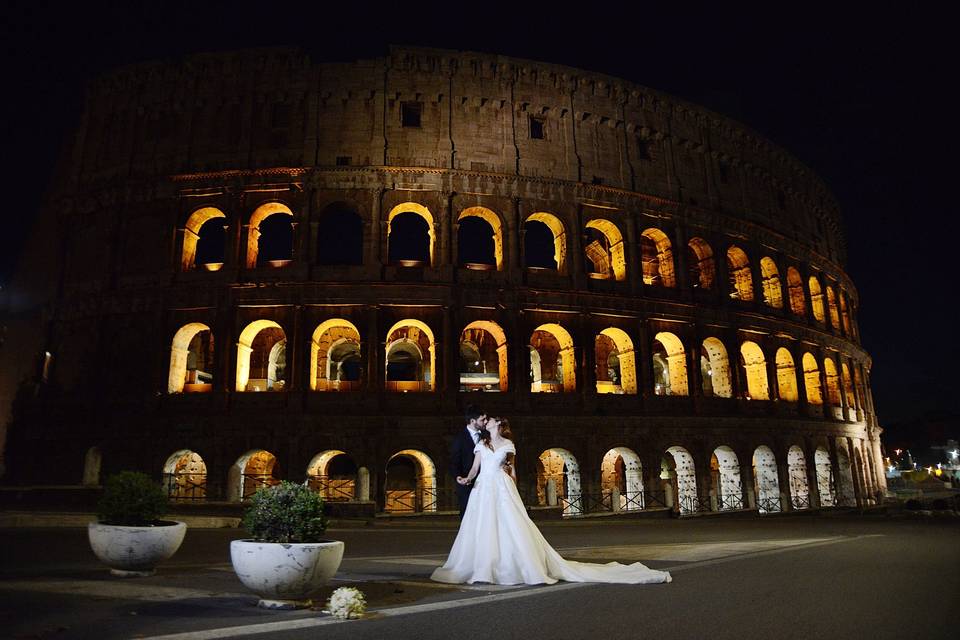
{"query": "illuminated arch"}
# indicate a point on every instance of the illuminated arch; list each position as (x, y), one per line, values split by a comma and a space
(253, 470)
(657, 258)
(422, 496)
(811, 379)
(421, 326)
(568, 361)
(626, 360)
(185, 476)
(245, 348)
(261, 213)
(741, 277)
(192, 234)
(339, 488)
(680, 473)
(703, 268)
(844, 312)
(500, 345)
(833, 382)
(848, 387)
(770, 277)
(832, 305)
(496, 225)
(765, 480)
(786, 376)
(621, 470)
(613, 254)
(715, 369)
(755, 367)
(180, 356)
(825, 479)
(321, 344)
(423, 212)
(559, 237)
(725, 475)
(797, 475)
(846, 494)
(816, 298)
(674, 381)
(560, 467)
(798, 303)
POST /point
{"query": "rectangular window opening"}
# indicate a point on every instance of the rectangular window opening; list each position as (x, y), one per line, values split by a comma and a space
(410, 114)
(536, 128)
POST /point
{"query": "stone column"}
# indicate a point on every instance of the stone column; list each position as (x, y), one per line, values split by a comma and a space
(783, 480)
(746, 482)
(633, 256)
(373, 344)
(810, 460)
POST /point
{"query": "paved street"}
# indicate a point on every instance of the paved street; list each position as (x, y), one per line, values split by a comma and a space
(786, 577)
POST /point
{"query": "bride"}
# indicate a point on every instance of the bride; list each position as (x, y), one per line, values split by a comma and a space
(497, 541)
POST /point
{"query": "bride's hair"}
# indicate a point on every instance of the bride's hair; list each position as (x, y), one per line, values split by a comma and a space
(505, 432)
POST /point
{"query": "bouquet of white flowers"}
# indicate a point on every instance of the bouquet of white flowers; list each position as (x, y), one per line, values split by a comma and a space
(346, 603)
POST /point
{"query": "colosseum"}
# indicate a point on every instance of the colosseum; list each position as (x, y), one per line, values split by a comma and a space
(253, 266)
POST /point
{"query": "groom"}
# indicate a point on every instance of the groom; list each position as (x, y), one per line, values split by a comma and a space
(461, 452)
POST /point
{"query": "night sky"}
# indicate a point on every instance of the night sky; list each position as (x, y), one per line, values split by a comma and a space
(862, 98)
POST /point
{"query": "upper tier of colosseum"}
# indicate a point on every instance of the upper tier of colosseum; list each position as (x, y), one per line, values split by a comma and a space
(445, 111)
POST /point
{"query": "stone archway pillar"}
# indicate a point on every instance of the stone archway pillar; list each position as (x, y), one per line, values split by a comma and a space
(362, 492)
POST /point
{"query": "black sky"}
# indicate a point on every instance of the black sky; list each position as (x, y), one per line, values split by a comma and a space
(864, 98)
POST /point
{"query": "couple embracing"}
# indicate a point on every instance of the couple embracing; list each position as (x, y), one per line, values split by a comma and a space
(497, 541)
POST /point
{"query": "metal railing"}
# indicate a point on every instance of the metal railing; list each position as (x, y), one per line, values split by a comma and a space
(769, 505)
(654, 499)
(800, 502)
(729, 502)
(572, 505)
(332, 489)
(185, 486)
(693, 504)
(252, 482)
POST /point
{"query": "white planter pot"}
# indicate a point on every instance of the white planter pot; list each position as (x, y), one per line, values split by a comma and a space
(285, 576)
(135, 551)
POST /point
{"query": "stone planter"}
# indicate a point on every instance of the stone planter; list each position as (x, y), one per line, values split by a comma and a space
(285, 576)
(135, 551)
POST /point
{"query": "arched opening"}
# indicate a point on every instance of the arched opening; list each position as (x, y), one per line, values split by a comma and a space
(833, 382)
(621, 479)
(844, 313)
(256, 469)
(92, 461)
(411, 483)
(816, 298)
(185, 476)
(204, 240)
(336, 363)
(544, 243)
(410, 357)
(678, 472)
(811, 379)
(410, 241)
(553, 369)
(825, 480)
(703, 269)
(480, 239)
(741, 277)
(725, 474)
(270, 236)
(797, 472)
(656, 255)
(798, 303)
(558, 481)
(755, 368)
(262, 357)
(848, 389)
(846, 496)
(770, 276)
(765, 480)
(715, 369)
(786, 376)
(339, 236)
(333, 475)
(616, 362)
(483, 357)
(858, 387)
(604, 251)
(669, 365)
(832, 305)
(191, 359)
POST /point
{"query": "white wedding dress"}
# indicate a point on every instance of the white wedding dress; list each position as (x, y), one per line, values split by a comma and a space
(499, 544)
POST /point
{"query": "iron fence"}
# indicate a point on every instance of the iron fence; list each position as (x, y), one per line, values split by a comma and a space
(693, 504)
(253, 482)
(769, 505)
(185, 486)
(800, 502)
(653, 499)
(332, 489)
(729, 502)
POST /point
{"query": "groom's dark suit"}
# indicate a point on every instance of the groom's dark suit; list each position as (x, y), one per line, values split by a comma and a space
(461, 461)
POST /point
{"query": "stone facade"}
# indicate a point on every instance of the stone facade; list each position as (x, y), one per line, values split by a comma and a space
(716, 246)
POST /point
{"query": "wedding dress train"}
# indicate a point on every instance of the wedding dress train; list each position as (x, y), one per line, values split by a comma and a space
(499, 544)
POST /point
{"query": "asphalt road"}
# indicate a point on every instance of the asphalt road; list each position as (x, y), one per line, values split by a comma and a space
(784, 577)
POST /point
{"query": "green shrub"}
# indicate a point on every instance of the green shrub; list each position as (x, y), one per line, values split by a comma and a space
(131, 499)
(287, 512)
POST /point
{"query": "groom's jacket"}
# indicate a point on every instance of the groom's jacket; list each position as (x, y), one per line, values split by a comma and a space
(461, 453)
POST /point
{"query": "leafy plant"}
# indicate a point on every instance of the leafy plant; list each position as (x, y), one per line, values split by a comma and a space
(131, 499)
(287, 512)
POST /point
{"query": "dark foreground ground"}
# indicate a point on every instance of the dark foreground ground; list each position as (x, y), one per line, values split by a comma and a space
(836, 576)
